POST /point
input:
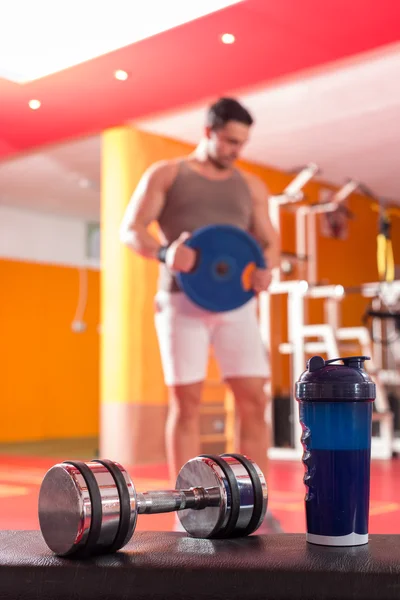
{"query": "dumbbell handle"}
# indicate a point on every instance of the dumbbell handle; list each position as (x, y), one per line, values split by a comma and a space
(165, 501)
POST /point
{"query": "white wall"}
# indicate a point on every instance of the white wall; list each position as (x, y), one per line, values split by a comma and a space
(37, 237)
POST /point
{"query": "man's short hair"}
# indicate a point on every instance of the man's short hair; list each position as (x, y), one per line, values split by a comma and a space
(227, 109)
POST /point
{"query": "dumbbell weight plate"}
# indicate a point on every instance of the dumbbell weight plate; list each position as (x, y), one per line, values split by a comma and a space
(259, 493)
(227, 530)
(204, 472)
(69, 510)
(243, 496)
(127, 523)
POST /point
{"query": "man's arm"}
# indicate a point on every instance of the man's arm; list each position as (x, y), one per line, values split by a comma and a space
(262, 228)
(144, 207)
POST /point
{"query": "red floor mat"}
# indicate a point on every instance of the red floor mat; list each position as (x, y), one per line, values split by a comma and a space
(20, 479)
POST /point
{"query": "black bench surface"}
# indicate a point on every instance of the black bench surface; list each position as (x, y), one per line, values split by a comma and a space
(166, 565)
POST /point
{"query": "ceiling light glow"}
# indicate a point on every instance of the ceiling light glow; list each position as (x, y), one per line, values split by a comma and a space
(34, 104)
(121, 75)
(228, 38)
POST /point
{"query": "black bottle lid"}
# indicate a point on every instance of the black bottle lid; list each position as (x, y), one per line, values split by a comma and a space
(328, 380)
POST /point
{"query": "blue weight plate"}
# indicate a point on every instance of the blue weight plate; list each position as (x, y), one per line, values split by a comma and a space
(224, 254)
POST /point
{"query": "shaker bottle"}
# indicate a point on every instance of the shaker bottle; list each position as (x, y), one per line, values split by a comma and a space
(335, 407)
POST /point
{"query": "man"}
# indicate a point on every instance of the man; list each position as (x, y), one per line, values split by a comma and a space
(182, 195)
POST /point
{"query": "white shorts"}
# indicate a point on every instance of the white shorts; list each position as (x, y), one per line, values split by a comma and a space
(186, 332)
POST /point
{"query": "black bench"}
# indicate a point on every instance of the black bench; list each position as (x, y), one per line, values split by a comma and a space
(164, 565)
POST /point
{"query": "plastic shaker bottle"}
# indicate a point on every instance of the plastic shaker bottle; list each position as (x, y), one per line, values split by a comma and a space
(335, 406)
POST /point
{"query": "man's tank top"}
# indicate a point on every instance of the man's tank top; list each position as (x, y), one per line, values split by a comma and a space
(194, 201)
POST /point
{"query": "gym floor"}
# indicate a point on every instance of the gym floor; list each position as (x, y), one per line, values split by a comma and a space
(22, 468)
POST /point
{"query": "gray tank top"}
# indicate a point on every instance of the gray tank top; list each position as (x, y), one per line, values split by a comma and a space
(194, 201)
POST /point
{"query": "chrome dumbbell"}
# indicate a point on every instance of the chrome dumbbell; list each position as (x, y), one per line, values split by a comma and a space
(92, 508)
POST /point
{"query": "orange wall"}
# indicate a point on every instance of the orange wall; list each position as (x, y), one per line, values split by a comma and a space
(49, 375)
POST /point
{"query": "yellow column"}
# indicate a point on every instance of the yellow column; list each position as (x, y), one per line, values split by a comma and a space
(133, 395)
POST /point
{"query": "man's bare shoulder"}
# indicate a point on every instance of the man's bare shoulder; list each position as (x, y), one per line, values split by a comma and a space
(162, 168)
(164, 171)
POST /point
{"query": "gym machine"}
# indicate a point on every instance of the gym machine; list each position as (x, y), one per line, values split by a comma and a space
(301, 337)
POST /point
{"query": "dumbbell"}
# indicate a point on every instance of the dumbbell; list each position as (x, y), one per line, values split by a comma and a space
(88, 508)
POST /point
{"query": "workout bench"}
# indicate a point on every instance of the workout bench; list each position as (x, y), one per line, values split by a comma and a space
(164, 565)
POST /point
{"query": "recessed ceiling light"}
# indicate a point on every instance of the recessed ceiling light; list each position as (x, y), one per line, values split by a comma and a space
(121, 75)
(85, 183)
(227, 38)
(34, 104)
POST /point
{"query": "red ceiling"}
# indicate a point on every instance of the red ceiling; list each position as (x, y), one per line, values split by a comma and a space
(189, 63)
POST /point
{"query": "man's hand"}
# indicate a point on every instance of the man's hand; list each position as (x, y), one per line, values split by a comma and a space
(180, 257)
(261, 280)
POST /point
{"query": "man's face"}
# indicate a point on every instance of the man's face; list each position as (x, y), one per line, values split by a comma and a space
(226, 143)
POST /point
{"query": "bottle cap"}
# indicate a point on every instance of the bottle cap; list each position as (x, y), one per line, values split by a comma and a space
(327, 380)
